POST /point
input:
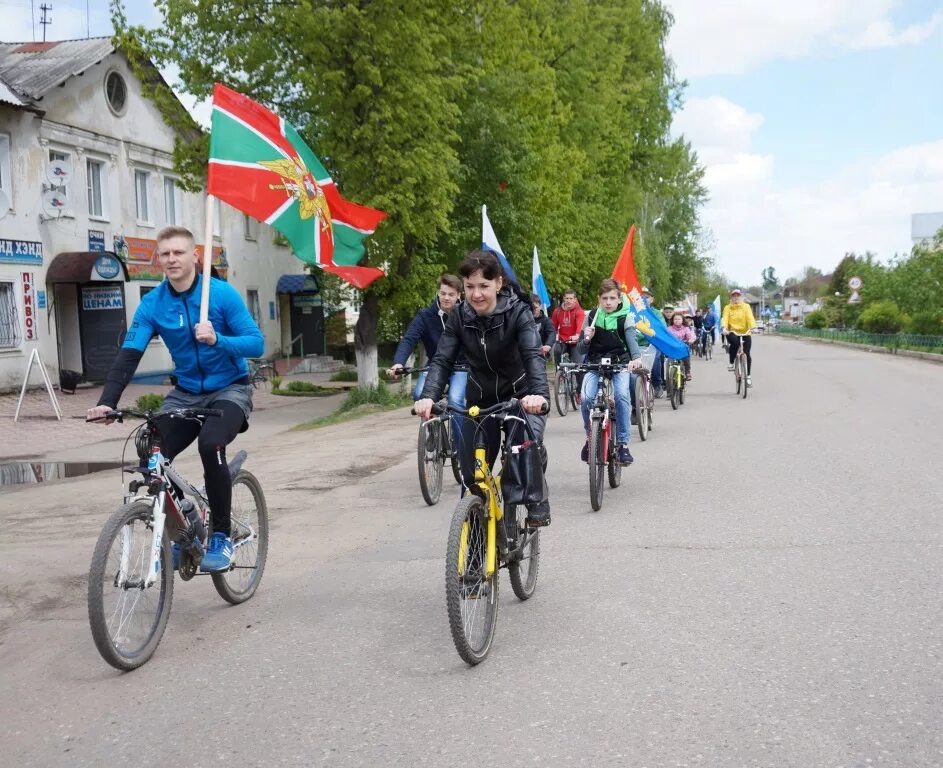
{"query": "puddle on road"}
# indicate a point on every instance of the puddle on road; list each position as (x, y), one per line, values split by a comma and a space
(30, 472)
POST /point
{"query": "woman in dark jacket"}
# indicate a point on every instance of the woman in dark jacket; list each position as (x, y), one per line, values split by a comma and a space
(496, 332)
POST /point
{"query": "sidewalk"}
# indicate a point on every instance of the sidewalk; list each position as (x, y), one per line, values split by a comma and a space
(39, 434)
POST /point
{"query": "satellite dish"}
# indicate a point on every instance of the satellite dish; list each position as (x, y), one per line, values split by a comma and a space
(54, 203)
(59, 173)
(4, 204)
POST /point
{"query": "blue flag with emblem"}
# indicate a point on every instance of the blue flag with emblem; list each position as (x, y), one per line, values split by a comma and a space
(538, 285)
(489, 242)
(645, 318)
(715, 305)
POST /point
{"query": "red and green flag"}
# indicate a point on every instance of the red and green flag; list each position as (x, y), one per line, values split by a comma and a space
(260, 165)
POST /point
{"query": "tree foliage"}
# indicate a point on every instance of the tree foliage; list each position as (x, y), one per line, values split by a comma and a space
(555, 113)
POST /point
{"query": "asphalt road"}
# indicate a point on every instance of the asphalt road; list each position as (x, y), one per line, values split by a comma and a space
(763, 590)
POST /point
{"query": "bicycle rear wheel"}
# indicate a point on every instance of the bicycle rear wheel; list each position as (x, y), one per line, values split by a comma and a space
(249, 539)
(614, 468)
(128, 619)
(742, 375)
(561, 395)
(429, 454)
(597, 468)
(681, 388)
(449, 451)
(576, 395)
(525, 562)
(641, 407)
(471, 597)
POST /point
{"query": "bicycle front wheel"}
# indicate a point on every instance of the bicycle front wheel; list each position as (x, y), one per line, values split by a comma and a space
(641, 408)
(471, 596)
(561, 395)
(673, 388)
(742, 375)
(249, 540)
(597, 467)
(429, 454)
(126, 617)
(525, 560)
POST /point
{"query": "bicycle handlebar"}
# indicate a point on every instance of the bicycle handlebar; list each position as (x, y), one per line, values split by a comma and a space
(406, 370)
(118, 414)
(480, 413)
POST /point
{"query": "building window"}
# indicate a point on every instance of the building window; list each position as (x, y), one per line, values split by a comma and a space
(255, 308)
(97, 177)
(5, 177)
(62, 157)
(116, 92)
(141, 179)
(10, 334)
(251, 228)
(171, 200)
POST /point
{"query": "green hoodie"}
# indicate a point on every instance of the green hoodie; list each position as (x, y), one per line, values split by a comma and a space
(609, 321)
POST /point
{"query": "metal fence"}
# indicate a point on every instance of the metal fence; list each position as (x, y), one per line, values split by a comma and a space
(888, 340)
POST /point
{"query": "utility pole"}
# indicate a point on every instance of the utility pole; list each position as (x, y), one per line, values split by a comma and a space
(45, 21)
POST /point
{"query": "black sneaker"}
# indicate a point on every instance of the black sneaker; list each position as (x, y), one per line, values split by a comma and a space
(538, 515)
(584, 454)
(634, 418)
(624, 457)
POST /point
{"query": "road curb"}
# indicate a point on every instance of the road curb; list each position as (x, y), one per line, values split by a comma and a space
(930, 357)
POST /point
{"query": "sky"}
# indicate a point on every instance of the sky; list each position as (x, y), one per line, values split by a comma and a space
(819, 122)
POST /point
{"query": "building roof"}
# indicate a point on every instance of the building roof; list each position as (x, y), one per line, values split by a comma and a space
(31, 70)
(7, 96)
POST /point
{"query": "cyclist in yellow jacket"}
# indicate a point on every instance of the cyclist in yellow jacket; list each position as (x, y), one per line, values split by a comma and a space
(737, 320)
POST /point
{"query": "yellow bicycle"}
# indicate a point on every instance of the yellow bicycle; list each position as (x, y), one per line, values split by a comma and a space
(486, 534)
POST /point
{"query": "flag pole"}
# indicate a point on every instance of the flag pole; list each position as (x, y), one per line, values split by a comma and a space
(207, 260)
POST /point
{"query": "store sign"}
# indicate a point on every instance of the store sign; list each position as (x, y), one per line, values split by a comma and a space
(306, 300)
(96, 241)
(107, 266)
(21, 252)
(29, 308)
(96, 298)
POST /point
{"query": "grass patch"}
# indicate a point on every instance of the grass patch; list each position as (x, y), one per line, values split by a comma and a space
(149, 402)
(361, 402)
(303, 389)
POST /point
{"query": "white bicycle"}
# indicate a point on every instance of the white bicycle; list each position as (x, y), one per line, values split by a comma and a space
(162, 527)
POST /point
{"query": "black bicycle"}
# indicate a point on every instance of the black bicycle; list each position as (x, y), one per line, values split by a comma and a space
(566, 390)
(260, 371)
(435, 446)
(160, 528)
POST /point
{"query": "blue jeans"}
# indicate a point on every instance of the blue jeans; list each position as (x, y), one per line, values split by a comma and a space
(658, 369)
(623, 385)
(458, 383)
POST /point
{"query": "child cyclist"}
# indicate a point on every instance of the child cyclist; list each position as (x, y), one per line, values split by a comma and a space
(609, 331)
(683, 332)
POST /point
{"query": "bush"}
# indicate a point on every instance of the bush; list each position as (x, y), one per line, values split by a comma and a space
(276, 382)
(882, 317)
(379, 395)
(816, 320)
(345, 375)
(149, 402)
(303, 386)
(927, 323)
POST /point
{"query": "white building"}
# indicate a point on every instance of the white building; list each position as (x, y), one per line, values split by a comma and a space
(76, 258)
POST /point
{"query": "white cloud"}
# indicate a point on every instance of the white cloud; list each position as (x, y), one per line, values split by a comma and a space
(757, 222)
(737, 35)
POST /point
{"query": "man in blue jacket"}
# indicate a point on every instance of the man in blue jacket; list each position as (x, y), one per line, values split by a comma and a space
(427, 327)
(210, 367)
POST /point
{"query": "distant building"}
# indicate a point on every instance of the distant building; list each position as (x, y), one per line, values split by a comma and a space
(76, 257)
(924, 226)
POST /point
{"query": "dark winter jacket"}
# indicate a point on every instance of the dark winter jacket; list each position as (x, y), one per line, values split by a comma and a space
(502, 352)
(427, 327)
(545, 329)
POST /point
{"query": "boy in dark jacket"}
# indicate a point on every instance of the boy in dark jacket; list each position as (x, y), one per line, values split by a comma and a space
(545, 329)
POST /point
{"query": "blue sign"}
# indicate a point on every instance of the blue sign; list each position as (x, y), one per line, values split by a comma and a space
(96, 241)
(107, 266)
(21, 252)
(41, 299)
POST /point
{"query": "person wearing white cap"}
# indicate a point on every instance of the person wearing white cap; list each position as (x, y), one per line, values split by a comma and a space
(737, 320)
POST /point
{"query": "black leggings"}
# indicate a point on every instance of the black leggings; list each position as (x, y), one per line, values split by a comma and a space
(733, 346)
(492, 429)
(215, 434)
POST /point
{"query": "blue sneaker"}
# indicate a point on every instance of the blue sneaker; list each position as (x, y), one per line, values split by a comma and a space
(218, 555)
(624, 457)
